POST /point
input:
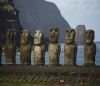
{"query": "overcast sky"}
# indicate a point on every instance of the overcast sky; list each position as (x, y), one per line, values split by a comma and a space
(77, 12)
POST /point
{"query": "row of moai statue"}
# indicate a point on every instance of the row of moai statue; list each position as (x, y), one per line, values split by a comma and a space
(70, 48)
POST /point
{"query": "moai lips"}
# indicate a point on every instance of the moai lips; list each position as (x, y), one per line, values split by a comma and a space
(25, 49)
(54, 47)
(89, 48)
(10, 50)
(39, 49)
(70, 48)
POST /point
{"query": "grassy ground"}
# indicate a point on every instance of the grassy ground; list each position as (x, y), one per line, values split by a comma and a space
(25, 75)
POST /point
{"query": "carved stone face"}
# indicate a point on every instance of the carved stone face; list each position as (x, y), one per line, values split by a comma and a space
(38, 37)
(70, 35)
(24, 36)
(54, 33)
(89, 36)
(10, 35)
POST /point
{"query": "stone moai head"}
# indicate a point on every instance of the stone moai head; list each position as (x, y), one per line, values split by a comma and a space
(24, 37)
(89, 36)
(10, 35)
(38, 37)
(54, 34)
(70, 36)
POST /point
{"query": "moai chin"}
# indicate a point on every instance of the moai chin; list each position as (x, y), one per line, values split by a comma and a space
(54, 47)
(70, 48)
(89, 48)
(39, 49)
(25, 48)
(10, 48)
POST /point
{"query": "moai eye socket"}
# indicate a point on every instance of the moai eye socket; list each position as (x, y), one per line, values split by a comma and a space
(67, 31)
(35, 32)
(56, 30)
(51, 30)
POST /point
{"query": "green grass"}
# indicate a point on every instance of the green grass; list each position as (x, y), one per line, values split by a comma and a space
(21, 75)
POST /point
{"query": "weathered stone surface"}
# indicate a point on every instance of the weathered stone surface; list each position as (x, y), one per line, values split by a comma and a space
(80, 34)
(10, 48)
(70, 48)
(39, 55)
(39, 49)
(9, 13)
(54, 34)
(25, 48)
(89, 48)
(54, 47)
(54, 54)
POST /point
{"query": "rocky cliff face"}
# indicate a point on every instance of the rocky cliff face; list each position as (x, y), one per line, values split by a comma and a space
(40, 14)
(80, 34)
(9, 19)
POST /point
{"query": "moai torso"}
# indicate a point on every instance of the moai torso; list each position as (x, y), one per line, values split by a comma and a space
(89, 48)
(39, 49)
(70, 48)
(54, 47)
(10, 48)
(54, 53)
(25, 48)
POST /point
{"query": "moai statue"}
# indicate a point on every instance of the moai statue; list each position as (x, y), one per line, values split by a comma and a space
(54, 47)
(70, 48)
(89, 48)
(39, 49)
(0, 48)
(25, 48)
(10, 48)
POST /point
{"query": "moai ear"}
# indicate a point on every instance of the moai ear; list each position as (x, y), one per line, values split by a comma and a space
(51, 30)
(57, 30)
